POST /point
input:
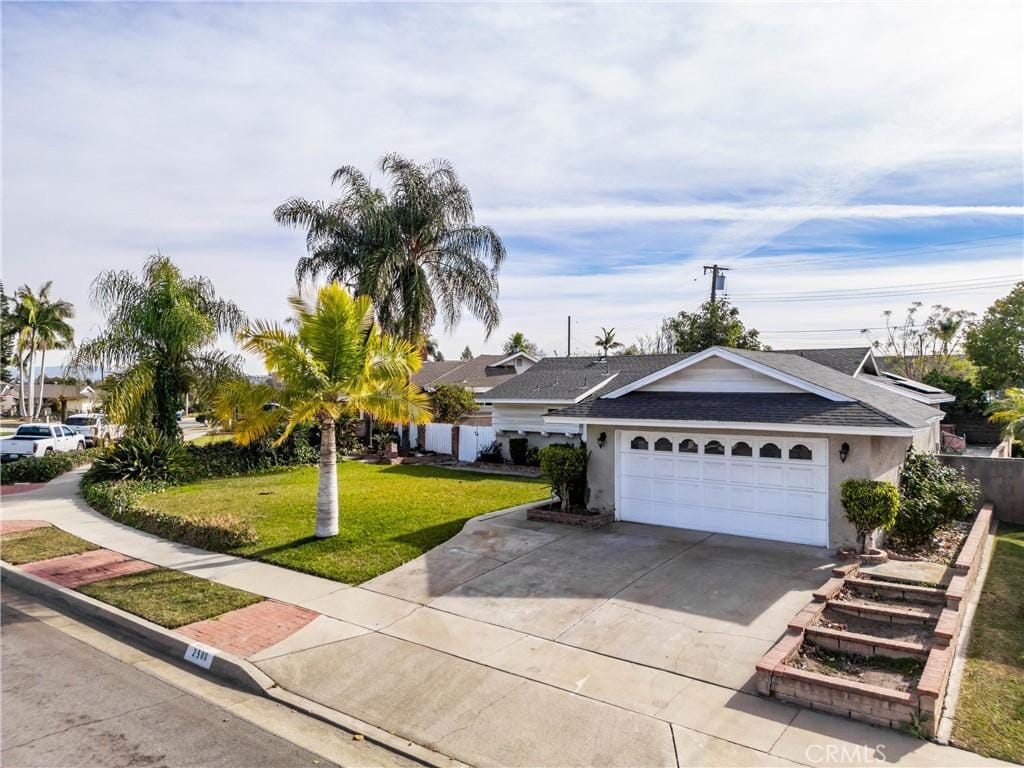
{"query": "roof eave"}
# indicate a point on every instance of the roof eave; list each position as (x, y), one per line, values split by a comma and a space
(828, 429)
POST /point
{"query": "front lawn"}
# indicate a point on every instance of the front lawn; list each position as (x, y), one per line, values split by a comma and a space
(990, 715)
(41, 544)
(169, 598)
(388, 514)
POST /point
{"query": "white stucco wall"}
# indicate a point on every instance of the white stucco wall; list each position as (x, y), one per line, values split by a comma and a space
(875, 458)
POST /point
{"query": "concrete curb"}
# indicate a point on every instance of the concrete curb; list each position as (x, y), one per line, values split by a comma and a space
(225, 666)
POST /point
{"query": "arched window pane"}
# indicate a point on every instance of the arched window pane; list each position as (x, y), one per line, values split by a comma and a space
(714, 448)
(663, 444)
(638, 443)
(742, 449)
(688, 446)
(770, 451)
(801, 452)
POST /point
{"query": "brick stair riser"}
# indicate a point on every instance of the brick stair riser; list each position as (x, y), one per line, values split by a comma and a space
(879, 590)
(861, 647)
(826, 695)
(874, 614)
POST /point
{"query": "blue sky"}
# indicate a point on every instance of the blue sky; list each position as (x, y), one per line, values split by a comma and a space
(617, 149)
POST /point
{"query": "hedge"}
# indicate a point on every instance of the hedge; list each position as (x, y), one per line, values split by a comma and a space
(42, 469)
(119, 500)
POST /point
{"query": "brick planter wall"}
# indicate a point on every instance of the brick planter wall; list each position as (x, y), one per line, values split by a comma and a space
(569, 518)
(871, 703)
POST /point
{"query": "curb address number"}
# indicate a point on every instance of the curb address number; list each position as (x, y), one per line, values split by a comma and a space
(200, 655)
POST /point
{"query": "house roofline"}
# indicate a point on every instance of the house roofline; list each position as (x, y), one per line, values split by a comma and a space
(743, 426)
(918, 396)
(732, 357)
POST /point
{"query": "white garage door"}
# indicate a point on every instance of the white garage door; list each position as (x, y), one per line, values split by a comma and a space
(767, 487)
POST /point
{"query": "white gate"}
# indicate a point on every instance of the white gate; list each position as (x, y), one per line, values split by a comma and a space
(473, 439)
(438, 438)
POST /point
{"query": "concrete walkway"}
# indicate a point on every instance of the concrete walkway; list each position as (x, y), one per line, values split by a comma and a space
(520, 643)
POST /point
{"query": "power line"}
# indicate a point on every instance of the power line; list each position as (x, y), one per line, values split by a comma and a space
(876, 295)
(947, 283)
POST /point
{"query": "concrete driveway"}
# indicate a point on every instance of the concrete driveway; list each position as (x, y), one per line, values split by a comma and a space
(532, 644)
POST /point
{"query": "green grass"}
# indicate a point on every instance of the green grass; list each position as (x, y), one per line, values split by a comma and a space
(169, 598)
(212, 437)
(41, 544)
(388, 514)
(990, 714)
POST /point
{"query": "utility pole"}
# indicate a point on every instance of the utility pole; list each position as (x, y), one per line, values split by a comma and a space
(715, 269)
(568, 336)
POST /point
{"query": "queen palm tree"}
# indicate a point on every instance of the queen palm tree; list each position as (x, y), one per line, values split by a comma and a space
(1010, 412)
(159, 337)
(332, 360)
(413, 247)
(607, 340)
(42, 324)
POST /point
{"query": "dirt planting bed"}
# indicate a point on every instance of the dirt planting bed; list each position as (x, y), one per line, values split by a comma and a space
(945, 545)
(907, 633)
(895, 674)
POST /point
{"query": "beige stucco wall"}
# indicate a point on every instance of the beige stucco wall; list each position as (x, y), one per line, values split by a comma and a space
(875, 458)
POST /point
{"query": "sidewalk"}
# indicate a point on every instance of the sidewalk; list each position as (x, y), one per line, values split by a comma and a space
(482, 693)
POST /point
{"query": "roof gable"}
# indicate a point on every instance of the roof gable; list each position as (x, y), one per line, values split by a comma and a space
(764, 368)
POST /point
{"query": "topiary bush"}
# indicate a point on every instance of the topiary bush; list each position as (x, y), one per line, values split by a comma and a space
(931, 495)
(869, 505)
(565, 468)
(119, 500)
(518, 447)
(146, 455)
(42, 469)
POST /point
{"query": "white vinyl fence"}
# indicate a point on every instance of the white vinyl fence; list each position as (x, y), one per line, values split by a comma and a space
(438, 438)
(473, 439)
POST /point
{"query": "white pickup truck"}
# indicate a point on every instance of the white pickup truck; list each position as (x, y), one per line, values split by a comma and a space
(40, 440)
(94, 427)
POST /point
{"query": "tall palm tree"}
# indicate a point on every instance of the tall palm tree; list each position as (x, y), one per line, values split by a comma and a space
(159, 337)
(413, 247)
(332, 360)
(518, 342)
(1010, 411)
(606, 340)
(42, 324)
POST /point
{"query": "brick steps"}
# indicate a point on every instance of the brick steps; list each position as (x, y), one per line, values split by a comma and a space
(893, 590)
(918, 616)
(864, 645)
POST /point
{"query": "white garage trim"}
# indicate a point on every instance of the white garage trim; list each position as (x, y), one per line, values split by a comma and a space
(743, 426)
(706, 481)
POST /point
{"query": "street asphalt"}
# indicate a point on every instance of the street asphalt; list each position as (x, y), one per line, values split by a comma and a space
(66, 704)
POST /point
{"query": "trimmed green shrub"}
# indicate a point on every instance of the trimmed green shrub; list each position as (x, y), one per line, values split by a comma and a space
(491, 453)
(533, 456)
(518, 447)
(43, 469)
(565, 469)
(147, 455)
(931, 495)
(450, 403)
(869, 505)
(226, 458)
(119, 500)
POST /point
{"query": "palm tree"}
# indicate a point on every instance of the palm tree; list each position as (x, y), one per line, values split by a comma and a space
(414, 247)
(518, 342)
(332, 360)
(159, 335)
(607, 340)
(1010, 411)
(41, 324)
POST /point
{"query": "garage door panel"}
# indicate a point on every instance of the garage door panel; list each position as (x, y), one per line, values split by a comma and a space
(782, 498)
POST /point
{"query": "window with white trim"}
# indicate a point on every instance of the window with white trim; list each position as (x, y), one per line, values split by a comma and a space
(770, 451)
(638, 443)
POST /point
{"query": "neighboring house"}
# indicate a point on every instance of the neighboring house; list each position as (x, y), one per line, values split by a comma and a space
(480, 375)
(725, 440)
(82, 399)
(8, 402)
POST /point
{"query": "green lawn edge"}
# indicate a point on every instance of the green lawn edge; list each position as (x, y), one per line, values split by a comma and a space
(990, 713)
(46, 543)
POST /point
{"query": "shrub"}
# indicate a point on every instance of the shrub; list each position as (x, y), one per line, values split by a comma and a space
(869, 505)
(518, 447)
(146, 455)
(451, 402)
(565, 468)
(42, 469)
(119, 500)
(225, 459)
(533, 456)
(491, 453)
(931, 495)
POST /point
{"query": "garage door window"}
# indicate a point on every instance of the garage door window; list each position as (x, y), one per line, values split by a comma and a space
(714, 448)
(638, 443)
(742, 449)
(663, 444)
(688, 446)
(800, 452)
(770, 451)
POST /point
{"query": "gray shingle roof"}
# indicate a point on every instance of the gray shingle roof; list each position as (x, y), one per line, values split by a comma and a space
(478, 372)
(843, 359)
(556, 379)
(757, 407)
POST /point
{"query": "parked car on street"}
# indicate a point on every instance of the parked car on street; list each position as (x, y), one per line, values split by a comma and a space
(94, 427)
(40, 440)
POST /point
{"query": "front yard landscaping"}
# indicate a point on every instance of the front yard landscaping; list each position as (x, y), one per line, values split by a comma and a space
(389, 514)
(169, 598)
(990, 714)
(41, 544)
